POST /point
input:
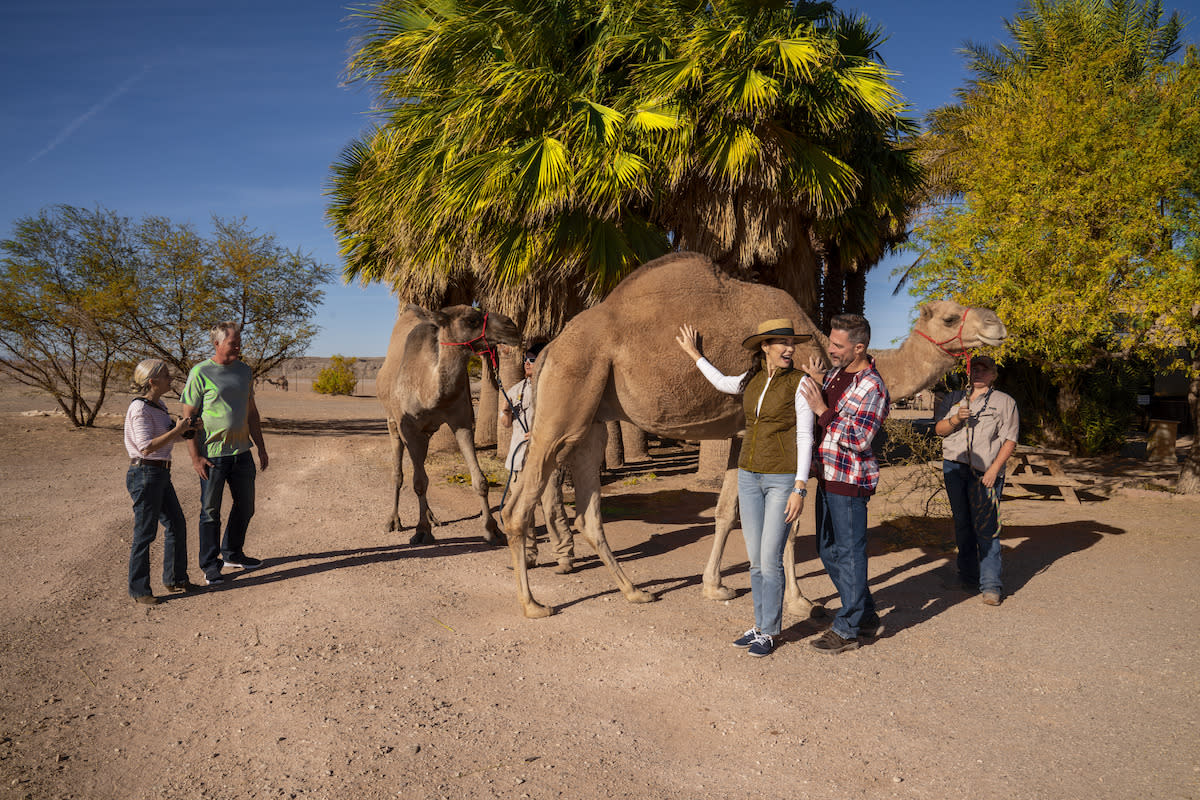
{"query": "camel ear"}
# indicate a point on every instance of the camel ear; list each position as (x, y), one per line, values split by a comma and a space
(441, 319)
(926, 312)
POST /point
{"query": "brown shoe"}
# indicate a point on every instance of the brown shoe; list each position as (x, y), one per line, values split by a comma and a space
(991, 599)
(147, 600)
(185, 586)
(831, 643)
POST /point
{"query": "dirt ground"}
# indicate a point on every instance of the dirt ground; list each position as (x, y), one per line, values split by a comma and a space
(356, 666)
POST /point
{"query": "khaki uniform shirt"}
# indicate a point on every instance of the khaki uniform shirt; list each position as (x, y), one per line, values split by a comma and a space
(993, 422)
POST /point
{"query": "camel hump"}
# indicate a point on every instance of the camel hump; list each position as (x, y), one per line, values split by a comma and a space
(670, 274)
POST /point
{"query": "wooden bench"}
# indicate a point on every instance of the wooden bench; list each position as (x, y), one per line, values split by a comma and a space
(1033, 466)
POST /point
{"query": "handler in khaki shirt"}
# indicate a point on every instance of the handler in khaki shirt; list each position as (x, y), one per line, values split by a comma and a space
(979, 426)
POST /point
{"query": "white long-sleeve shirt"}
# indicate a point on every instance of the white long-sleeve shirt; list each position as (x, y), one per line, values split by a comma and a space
(731, 384)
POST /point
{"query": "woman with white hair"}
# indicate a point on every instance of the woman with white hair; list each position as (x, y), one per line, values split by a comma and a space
(150, 434)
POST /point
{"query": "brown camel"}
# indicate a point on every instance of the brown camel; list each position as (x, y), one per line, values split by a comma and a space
(619, 361)
(423, 384)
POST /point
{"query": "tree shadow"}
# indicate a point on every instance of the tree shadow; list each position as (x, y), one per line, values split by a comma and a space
(277, 569)
(323, 427)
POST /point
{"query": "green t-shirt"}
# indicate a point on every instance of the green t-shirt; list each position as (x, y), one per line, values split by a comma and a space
(221, 395)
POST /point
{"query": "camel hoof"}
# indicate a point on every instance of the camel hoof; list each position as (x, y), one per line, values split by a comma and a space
(565, 566)
(422, 537)
(535, 610)
(718, 592)
(495, 538)
(393, 525)
(638, 596)
(806, 609)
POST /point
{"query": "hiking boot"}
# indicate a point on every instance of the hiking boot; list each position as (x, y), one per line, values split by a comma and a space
(147, 600)
(746, 639)
(183, 586)
(831, 643)
(243, 561)
(762, 646)
(992, 598)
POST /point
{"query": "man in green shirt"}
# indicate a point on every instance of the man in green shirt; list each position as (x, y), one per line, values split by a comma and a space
(220, 391)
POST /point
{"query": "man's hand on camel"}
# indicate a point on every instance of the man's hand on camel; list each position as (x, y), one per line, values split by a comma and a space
(689, 340)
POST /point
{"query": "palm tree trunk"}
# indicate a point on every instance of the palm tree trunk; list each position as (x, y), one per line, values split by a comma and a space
(488, 410)
(634, 440)
(1189, 473)
(614, 453)
(856, 291)
(833, 287)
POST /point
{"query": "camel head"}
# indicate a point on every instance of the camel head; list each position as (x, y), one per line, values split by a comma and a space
(955, 327)
(465, 325)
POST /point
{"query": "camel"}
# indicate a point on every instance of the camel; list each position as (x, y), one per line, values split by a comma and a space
(423, 384)
(619, 361)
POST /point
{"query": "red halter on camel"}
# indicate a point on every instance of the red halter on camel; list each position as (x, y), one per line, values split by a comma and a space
(488, 350)
(962, 345)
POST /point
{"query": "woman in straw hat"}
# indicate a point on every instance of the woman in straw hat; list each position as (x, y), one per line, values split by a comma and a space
(773, 468)
(150, 434)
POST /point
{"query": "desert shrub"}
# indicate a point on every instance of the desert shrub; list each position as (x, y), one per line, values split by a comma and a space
(917, 455)
(337, 378)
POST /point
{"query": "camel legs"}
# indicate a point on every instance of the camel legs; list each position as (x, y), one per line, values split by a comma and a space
(393, 523)
(585, 460)
(796, 602)
(727, 506)
(466, 445)
(417, 444)
(557, 526)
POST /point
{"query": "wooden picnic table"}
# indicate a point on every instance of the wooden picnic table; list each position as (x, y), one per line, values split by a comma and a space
(1037, 466)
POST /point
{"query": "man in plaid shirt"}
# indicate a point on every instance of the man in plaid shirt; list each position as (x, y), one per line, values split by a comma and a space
(850, 406)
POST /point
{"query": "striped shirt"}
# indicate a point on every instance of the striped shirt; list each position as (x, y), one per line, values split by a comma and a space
(849, 426)
(145, 421)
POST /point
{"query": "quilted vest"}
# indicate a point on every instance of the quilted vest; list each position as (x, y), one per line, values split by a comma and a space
(770, 441)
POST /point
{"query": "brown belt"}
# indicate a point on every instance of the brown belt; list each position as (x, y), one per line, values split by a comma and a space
(149, 462)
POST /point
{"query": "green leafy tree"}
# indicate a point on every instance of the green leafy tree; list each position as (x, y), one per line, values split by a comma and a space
(64, 278)
(1069, 170)
(178, 288)
(271, 291)
(338, 377)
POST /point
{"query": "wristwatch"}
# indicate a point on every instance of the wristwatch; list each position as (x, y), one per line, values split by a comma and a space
(803, 492)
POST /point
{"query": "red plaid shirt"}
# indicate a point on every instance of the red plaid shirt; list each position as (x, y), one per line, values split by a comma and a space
(845, 448)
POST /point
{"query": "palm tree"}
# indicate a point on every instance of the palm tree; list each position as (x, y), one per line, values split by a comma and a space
(542, 150)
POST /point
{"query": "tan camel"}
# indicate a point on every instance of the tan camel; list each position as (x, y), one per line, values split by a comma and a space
(618, 361)
(423, 384)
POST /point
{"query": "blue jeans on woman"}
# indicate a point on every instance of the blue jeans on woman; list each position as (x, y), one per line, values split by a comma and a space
(238, 472)
(842, 546)
(976, 510)
(155, 501)
(763, 499)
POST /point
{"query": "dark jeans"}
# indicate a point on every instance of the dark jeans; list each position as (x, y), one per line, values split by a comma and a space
(976, 511)
(154, 501)
(842, 546)
(238, 473)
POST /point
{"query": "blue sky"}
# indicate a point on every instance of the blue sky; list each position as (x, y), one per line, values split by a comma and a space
(189, 110)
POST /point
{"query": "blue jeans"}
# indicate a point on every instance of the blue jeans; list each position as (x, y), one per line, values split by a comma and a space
(842, 546)
(154, 501)
(763, 499)
(976, 525)
(238, 473)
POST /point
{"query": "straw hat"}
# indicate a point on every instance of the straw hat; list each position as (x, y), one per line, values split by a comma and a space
(775, 329)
